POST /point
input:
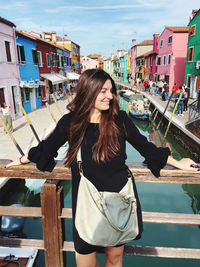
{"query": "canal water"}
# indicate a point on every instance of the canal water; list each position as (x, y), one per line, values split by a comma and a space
(154, 197)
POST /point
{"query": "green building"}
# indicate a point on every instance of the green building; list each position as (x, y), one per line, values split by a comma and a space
(124, 67)
(192, 69)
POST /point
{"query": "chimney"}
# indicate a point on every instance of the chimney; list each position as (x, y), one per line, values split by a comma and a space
(155, 41)
(53, 36)
(133, 42)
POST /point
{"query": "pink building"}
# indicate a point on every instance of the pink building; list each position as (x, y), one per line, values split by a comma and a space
(9, 70)
(88, 63)
(172, 50)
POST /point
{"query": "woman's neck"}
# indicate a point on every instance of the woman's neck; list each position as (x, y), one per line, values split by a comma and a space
(95, 116)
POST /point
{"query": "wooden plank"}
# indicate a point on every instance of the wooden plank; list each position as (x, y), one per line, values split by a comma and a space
(61, 229)
(140, 172)
(156, 217)
(162, 252)
(33, 212)
(22, 243)
(50, 224)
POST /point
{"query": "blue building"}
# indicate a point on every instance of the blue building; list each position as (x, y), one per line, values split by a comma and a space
(30, 85)
(67, 60)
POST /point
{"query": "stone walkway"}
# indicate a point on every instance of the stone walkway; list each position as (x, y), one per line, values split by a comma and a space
(41, 121)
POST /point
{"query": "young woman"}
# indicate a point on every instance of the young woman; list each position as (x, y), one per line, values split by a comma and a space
(6, 116)
(96, 124)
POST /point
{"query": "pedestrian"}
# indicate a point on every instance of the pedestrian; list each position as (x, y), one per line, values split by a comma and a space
(160, 87)
(180, 103)
(175, 89)
(186, 98)
(153, 88)
(150, 86)
(7, 119)
(166, 92)
(96, 125)
(146, 85)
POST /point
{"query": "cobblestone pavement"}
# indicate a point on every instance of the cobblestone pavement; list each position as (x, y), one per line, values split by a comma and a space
(41, 121)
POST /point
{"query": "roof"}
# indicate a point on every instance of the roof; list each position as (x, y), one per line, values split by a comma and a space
(25, 34)
(145, 42)
(194, 13)
(177, 28)
(148, 53)
(5, 21)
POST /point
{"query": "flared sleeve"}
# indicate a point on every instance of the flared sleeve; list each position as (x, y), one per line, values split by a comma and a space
(43, 154)
(155, 157)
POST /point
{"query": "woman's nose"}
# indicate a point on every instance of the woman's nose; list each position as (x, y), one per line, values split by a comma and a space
(109, 95)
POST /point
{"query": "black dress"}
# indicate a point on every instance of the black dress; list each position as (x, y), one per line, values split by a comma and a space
(111, 176)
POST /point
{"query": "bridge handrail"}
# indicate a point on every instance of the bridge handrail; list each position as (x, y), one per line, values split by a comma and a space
(53, 213)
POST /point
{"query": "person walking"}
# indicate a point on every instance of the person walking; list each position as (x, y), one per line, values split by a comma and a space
(186, 98)
(180, 103)
(146, 85)
(7, 119)
(97, 128)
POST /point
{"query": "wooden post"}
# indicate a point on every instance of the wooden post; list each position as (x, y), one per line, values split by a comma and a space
(52, 116)
(52, 230)
(67, 97)
(54, 99)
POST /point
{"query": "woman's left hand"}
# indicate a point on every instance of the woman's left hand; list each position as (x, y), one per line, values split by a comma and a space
(188, 164)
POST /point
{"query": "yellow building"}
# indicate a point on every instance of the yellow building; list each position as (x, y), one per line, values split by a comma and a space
(75, 54)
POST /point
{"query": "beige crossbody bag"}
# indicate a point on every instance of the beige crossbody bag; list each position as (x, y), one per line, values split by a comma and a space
(105, 218)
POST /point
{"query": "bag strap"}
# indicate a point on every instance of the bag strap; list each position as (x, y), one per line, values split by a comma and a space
(79, 160)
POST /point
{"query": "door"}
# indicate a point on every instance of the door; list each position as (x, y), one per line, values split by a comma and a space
(16, 99)
(2, 98)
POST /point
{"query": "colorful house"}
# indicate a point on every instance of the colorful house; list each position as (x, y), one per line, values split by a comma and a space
(99, 58)
(172, 49)
(124, 66)
(88, 63)
(140, 65)
(9, 70)
(48, 61)
(107, 65)
(192, 69)
(30, 85)
(67, 61)
(136, 51)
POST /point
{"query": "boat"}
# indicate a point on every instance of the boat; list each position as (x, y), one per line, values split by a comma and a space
(128, 95)
(11, 227)
(139, 107)
(17, 256)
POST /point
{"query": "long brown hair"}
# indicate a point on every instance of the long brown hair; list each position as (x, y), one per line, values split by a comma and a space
(89, 85)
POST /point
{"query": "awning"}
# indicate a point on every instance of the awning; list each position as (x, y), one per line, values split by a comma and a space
(29, 84)
(72, 75)
(55, 78)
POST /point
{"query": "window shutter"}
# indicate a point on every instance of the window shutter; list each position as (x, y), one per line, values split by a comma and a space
(23, 60)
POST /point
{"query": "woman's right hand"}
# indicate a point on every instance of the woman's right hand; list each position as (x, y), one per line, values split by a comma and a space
(18, 161)
(14, 162)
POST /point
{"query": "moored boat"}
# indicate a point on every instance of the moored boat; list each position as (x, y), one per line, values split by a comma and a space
(139, 107)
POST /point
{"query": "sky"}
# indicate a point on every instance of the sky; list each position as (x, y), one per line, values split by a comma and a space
(99, 26)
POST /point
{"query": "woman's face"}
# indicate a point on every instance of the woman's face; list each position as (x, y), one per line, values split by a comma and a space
(104, 97)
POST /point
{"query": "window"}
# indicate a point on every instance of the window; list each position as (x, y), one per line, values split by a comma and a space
(192, 30)
(161, 43)
(21, 54)
(48, 60)
(25, 94)
(190, 54)
(39, 56)
(164, 60)
(35, 57)
(170, 39)
(158, 61)
(169, 60)
(39, 91)
(67, 61)
(8, 52)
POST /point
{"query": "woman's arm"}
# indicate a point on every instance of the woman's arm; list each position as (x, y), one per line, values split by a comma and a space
(183, 164)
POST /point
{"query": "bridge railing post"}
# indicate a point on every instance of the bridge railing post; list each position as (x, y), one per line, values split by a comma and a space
(51, 223)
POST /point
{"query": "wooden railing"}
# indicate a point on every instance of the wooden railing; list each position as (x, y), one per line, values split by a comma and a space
(194, 111)
(53, 213)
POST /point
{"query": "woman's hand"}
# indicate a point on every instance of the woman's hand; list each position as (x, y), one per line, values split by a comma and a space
(18, 161)
(186, 164)
(14, 162)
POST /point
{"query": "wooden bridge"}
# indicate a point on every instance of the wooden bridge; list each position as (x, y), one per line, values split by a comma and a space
(53, 213)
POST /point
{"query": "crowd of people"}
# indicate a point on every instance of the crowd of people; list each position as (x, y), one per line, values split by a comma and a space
(180, 93)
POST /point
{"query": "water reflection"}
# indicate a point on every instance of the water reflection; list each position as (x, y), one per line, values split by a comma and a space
(193, 191)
